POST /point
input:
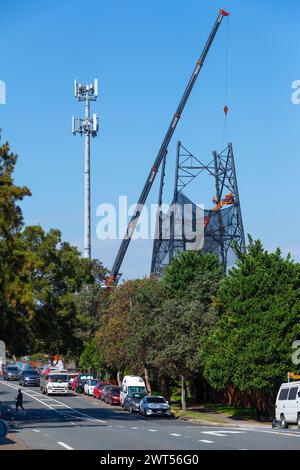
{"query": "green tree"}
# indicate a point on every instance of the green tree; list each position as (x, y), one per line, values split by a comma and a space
(186, 268)
(90, 359)
(250, 348)
(57, 279)
(16, 296)
(141, 341)
(192, 281)
(91, 301)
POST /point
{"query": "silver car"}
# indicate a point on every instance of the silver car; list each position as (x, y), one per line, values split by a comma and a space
(11, 373)
(155, 406)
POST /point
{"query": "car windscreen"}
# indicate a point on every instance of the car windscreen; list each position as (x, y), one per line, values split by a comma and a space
(31, 373)
(137, 396)
(58, 378)
(12, 369)
(116, 392)
(93, 382)
(136, 389)
(156, 400)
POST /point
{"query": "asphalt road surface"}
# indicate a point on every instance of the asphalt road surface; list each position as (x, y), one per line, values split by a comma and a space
(81, 423)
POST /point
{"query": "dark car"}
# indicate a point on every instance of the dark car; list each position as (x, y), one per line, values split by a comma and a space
(155, 406)
(30, 378)
(132, 402)
(11, 373)
(105, 391)
(80, 385)
(113, 396)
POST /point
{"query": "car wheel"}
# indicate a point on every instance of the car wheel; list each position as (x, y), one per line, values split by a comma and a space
(298, 421)
(283, 422)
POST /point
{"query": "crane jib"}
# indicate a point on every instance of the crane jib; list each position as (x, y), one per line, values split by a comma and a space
(163, 149)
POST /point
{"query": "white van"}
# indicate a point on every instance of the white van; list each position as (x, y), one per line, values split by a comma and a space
(288, 404)
(132, 384)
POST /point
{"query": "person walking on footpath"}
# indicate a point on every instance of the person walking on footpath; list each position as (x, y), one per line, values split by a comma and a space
(19, 402)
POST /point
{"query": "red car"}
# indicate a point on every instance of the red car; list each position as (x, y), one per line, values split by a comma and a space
(98, 389)
(113, 396)
(74, 383)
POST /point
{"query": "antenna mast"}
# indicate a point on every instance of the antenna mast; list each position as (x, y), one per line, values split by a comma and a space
(89, 127)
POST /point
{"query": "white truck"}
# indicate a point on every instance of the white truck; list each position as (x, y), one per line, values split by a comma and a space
(132, 384)
(52, 383)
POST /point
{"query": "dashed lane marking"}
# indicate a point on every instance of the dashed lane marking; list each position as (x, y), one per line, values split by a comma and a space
(206, 442)
(36, 430)
(222, 433)
(66, 446)
(175, 434)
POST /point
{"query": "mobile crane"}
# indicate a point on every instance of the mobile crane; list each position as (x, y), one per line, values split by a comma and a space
(115, 272)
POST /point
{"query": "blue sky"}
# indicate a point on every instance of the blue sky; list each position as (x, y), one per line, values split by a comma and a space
(143, 53)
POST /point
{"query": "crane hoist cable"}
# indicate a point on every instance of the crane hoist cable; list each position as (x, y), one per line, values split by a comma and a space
(226, 80)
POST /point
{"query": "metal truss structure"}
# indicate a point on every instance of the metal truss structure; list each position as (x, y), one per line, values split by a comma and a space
(222, 226)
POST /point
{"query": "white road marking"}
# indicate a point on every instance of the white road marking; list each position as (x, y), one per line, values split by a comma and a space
(152, 430)
(206, 442)
(222, 433)
(36, 430)
(175, 435)
(66, 446)
(134, 427)
(89, 418)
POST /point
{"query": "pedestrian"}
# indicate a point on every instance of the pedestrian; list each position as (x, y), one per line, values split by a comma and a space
(19, 402)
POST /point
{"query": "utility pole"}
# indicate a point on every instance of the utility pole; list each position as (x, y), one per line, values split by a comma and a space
(89, 127)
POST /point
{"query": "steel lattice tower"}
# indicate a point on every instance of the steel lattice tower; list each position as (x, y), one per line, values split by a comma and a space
(223, 225)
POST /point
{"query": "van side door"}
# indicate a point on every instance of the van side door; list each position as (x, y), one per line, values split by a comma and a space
(293, 404)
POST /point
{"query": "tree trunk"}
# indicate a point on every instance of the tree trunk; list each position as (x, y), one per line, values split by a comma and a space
(119, 378)
(165, 388)
(147, 381)
(183, 400)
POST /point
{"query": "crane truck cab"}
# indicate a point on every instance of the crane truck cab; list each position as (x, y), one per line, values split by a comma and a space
(287, 408)
(52, 383)
(132, 384)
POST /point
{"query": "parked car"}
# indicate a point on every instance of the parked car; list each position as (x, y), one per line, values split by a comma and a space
(11, 373)
(154, 406)
(113, 396)
(89, 386)
(132, 402)
(288, 404)
(132, 384)
(80, 383)
(98, 389)
(105, 391)
(30, 378)
(72, 377)
(74, 383)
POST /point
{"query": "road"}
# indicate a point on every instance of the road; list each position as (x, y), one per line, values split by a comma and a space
(82, 423)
